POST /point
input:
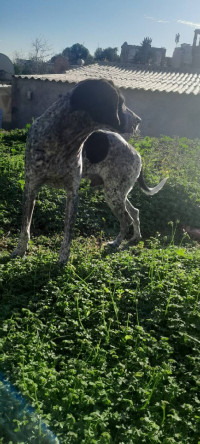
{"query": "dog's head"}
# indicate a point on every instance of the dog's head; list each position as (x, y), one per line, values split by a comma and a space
(105, 105)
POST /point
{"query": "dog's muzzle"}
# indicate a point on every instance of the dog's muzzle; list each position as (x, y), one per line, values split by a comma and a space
(136, 124)
(131, 126)
(132, 122)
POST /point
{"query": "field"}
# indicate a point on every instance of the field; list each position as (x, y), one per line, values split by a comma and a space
(106, 349)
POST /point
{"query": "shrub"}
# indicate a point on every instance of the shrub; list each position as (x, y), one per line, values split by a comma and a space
(179, 200)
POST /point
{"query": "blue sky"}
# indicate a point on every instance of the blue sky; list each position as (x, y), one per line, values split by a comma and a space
(95, 23)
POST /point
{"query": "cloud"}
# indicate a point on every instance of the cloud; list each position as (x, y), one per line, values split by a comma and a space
(155, 20)
(182, 22)
(162, 21)
(149, 17)
(185, 22)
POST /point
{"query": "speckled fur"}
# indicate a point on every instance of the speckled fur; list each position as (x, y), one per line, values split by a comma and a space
(53, 150)
(118, 172)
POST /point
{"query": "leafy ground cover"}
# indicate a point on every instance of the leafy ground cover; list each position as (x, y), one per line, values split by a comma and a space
(106, 349)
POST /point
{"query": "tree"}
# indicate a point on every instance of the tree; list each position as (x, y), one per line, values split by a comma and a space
(22, 65)
(17, 57)
(108, 54)
(144, 53)
(40, 54)
(77, 52)
(37, 61)
(98, 55)
(41, 49)
(67, 53)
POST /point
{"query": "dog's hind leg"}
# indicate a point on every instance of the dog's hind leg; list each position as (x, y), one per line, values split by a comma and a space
(134, 213)
(117, 206)
(70, 217)
(27, 212)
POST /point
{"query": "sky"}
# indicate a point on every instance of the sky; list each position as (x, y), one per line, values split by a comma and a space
(95, 23)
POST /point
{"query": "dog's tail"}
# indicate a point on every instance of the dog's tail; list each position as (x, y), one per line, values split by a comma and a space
(146, 189)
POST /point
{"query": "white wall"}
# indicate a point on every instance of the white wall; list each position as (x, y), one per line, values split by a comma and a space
(170, 114)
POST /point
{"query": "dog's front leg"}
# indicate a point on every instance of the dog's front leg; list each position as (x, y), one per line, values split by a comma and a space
(70, 217)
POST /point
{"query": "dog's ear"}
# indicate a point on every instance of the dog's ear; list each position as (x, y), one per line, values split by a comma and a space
(99, 98)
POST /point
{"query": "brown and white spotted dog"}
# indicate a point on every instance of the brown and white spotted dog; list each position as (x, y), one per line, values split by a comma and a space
(53, 149)
(110, 161)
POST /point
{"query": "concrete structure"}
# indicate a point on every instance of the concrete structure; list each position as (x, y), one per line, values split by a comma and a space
(196, 51)
(182, 57)
(6, 69)
(167, 102)
(6, 73)
(128, 53)
(5, 106)
(32, 95)
(186, 58)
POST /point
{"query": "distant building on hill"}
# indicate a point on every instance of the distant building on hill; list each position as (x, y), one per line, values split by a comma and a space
(128, 53)
(196, 50)
(187, 57)
(182, 57)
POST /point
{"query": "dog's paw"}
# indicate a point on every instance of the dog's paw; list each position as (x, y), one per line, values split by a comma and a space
(134, 241)
(63, 257)
(111, 244)
(18, 252)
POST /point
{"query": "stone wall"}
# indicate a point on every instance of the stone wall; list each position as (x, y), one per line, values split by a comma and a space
(5, 105)
(32, 97)
(128, 53)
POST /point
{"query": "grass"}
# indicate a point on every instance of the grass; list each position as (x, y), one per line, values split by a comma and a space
(105, 349)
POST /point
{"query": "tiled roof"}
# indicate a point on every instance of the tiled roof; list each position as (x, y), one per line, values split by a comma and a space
(148, 80)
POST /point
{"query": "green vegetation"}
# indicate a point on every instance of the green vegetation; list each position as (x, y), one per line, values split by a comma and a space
(107, 54)
(106, 349)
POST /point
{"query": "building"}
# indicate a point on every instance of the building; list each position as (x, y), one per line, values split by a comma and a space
(167, 102)
(186, 58)
(6, 69)
(182, 57)
(6, 72)
(128, 53)
(196, 50)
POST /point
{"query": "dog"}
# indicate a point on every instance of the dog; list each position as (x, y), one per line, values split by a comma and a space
(53, 149)
(110, 161)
